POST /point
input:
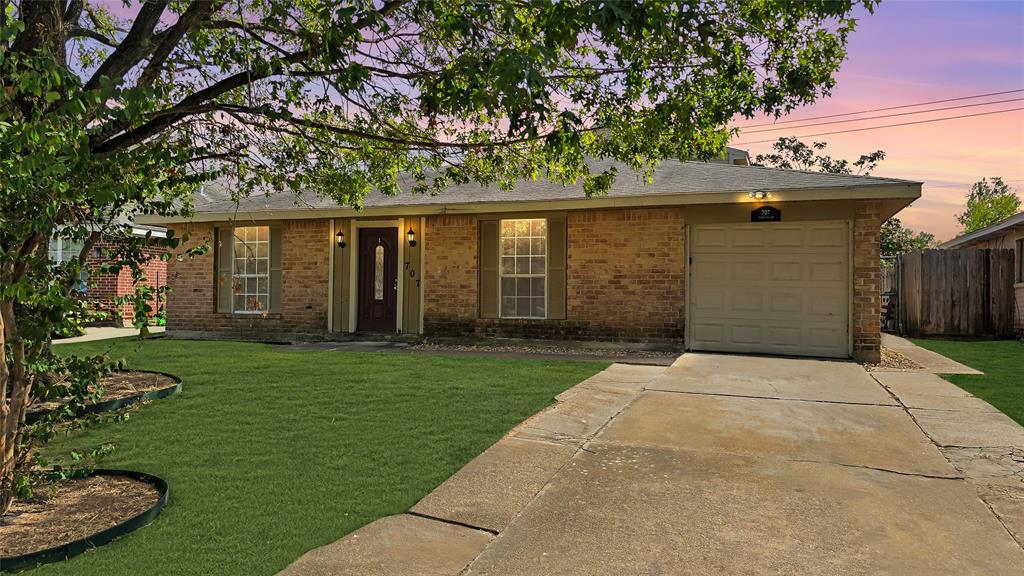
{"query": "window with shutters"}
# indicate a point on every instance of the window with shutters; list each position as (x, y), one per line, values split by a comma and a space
(523, 268)
(250, 269)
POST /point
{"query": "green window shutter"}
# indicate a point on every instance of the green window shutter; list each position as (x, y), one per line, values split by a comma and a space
(276, 245)
(224, 282)
(488, 258)
(556, 268)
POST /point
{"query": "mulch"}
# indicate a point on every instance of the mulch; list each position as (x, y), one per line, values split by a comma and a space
(893, 360)
(72, 510)
(119, 385)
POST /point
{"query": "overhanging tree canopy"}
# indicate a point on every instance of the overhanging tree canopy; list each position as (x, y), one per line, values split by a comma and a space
(106, 114)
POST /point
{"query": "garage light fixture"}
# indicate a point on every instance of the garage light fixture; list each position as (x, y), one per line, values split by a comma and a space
(759, 194)
(411, 236)
(340, 239)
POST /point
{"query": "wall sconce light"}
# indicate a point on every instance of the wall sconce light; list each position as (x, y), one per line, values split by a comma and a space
(411, 236)
(340, 239)
(759, 195)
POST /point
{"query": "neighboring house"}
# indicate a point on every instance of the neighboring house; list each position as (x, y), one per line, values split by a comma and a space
(715, 256)
(1009, 234)
(108, 287)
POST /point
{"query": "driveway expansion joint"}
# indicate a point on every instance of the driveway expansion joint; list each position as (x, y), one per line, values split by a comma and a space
(726, 395)
(452, 522)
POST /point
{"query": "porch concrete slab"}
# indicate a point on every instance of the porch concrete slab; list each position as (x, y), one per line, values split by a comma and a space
(929, 361)
(882, 437)
(491, 490)
(648, 510)
(930, 392)
(765, 377)
(395, 546)
(970, 428)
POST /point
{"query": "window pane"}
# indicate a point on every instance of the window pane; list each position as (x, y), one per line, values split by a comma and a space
(523, 286)
(537, 288)
(508, 286)
(523, 267)
(508, 306)
(523, 306)
(378, 272)
(537, 308)
(251, 267)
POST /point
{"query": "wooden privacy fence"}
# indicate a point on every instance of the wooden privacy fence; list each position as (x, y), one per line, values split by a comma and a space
(953, 293)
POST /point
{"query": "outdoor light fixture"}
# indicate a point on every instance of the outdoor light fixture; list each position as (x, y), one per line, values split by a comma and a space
(411, 236)
(759, 194)
(340, 239)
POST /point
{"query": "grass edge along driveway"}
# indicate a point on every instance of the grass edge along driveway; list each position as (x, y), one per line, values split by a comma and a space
(1002, 361)
(270, 452)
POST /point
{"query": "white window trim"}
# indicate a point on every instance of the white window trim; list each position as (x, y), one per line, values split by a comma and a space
(547, 261)
(235, 274)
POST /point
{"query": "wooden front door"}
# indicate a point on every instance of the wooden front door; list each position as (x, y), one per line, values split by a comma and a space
(378, 279)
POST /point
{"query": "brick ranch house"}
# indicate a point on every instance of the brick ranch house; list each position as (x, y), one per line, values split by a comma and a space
(103, 289)
(710, 255)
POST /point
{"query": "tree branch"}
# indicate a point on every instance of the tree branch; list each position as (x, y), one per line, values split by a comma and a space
(169, 39)
(135, 46)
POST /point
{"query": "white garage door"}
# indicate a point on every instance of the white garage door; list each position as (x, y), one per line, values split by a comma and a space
(771, 287)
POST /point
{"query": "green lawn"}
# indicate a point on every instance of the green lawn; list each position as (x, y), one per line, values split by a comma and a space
(271, 452)
(1002, 361)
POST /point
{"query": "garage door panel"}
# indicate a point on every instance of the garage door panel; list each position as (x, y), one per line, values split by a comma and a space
(785, 237)
(710, 271)
(747, 302)
(834, 271)
(746, 271)
(789, 294)
(787, 271)
(785, 303)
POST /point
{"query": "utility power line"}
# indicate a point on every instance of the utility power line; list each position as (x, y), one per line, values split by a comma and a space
(888, 125)
(885, 116)
(884, 109)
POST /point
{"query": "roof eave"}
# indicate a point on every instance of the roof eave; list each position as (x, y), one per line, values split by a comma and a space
(899, 194)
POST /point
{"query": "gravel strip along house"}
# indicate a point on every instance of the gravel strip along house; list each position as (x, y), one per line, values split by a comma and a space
(718, 256)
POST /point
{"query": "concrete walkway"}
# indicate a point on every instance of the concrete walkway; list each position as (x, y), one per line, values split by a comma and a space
(930, 361)
(107, 333)
(720, 464)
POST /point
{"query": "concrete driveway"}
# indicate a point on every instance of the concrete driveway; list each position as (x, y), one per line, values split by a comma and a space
(719, 464)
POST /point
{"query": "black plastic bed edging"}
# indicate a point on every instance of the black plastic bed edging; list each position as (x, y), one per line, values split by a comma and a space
(65, 551)
(117, 403)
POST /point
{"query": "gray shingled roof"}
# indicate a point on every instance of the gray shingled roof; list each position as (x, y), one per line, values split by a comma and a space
(671, 177)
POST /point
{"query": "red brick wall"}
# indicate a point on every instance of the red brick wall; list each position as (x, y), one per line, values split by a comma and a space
(625, 279)
(304, 278)
(867, 299)
(109, 286)
(450, 274)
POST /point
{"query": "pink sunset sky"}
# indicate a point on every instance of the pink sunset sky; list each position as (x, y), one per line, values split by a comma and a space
(912, 52)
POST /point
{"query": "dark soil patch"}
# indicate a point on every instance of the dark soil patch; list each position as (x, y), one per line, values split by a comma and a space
(120, 385)
(72, 510)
